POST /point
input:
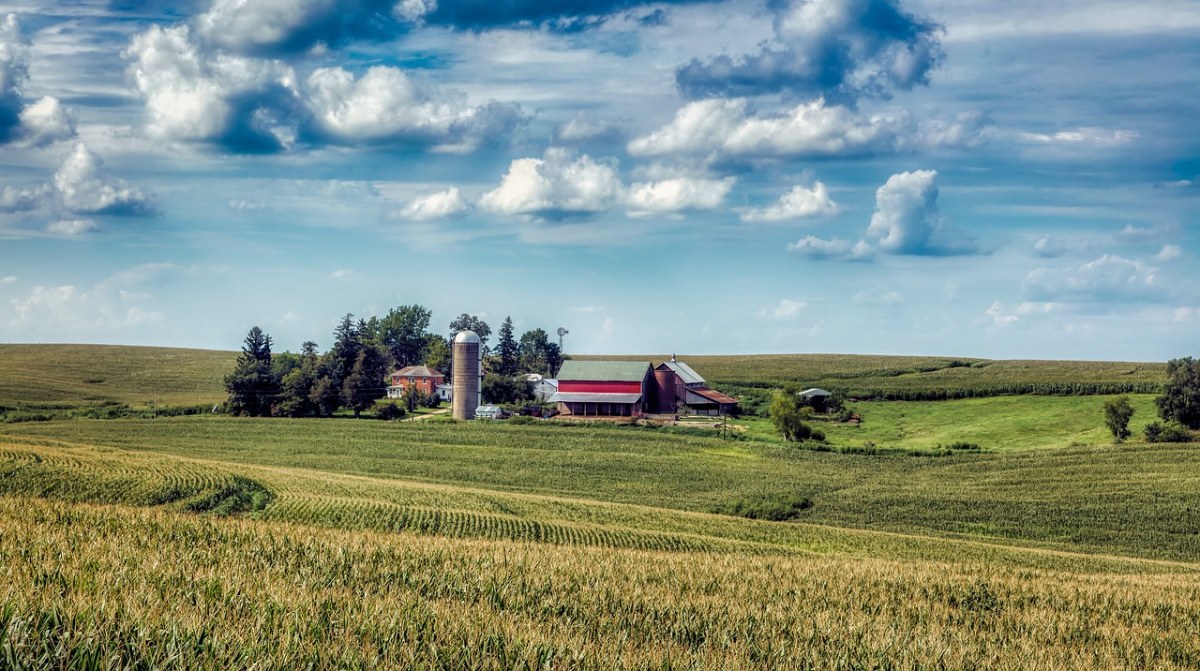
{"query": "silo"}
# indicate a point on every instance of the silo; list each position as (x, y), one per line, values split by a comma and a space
(467, 374)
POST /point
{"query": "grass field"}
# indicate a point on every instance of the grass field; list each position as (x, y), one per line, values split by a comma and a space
(217, 542)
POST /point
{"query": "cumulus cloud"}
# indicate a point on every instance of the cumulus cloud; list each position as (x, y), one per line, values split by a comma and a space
(799, 203)
(386, 105)
(14, 70)
(39, 124)
(583, 129)
(45, 122)
(906, 219)
(82, 186)
(676, 195)
(555, 186)
(787, 309)
(1106, 279)
(562, 185)
(244, 104)
(277, 27)
(438, 205)
(8, 279)
(1005, 315)
(840, 49)
(729, 127)
(70, 313)
(553, 15)
(905, 222)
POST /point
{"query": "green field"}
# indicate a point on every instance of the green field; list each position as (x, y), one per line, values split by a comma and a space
(215, 542)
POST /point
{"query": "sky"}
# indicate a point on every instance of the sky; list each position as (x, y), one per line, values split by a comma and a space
(931, 177)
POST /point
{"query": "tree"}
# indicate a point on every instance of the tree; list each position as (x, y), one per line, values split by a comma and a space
(325, 395)
(296, 385)
(1117, 413)
(437, 353)
(503, 389)
(404, 332)
(1180, 401)
(538, 354)
(787, 413)
(466, 322)
(252, 385)
(506, 350)
(360, 388)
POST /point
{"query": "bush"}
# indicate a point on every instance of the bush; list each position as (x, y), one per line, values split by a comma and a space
(1157, 432)
(521, 419)
(388, 410)
(773, 509)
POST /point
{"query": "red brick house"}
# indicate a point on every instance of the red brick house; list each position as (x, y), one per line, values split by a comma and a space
(423, 378)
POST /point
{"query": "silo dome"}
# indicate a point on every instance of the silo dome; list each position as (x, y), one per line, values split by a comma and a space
(467, 337)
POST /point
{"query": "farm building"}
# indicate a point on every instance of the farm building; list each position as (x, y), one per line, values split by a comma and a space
(816, 397)
(675, 382)
(445, 392)
(422, 378)
(489, 412)
(603, 388)
(631, 388)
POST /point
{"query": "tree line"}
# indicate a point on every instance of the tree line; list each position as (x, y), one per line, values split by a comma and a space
(353, 373)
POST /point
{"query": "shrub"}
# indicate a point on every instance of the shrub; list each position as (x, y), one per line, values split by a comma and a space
(388, 410)
(771, 508)
(1157, 432)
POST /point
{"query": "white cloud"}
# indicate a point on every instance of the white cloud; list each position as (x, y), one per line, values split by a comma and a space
(82, 186)
(1087, 135)
(1186, 314)
(677, 194)
(560, 185)
(341, 273)
(385, 104)
(798, 203)
(239, 25)
(8, 279)
(45, 122)
(906, 221)
(21, 199)
(787, 309)
(834, 248)
(1108, 278)
(588, 309)
(906, 213)
(556, 185)
(65, 312)
(435, 206)
(1168, 253)
(196, 96)
(72, 227)
(1004, 315)
(813, 129)
(582, 129)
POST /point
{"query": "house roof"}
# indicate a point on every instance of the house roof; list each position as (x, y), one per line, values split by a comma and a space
(584, 397)
(606, 371)
(684, 372)
(713, 395)
(418, 371)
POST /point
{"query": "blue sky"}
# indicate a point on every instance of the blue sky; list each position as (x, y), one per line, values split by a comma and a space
(1008, 180)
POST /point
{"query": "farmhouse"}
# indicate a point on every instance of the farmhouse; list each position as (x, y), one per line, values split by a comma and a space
(603, 388)
(422, 378)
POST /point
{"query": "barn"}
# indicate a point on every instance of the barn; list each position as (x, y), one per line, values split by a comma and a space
(603, 388)
(675, 383)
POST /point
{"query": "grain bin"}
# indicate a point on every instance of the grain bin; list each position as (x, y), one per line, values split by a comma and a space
(468, 370)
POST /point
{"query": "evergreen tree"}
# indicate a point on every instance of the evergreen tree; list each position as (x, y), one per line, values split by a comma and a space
(252, 385)
(506, 350)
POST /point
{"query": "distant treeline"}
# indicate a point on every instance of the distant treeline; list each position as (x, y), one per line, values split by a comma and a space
(353, 373)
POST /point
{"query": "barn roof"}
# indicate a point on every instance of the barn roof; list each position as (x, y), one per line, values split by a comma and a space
(684, 372)
(815, 391)
(418, 371)
(603, 371)
(713, 395)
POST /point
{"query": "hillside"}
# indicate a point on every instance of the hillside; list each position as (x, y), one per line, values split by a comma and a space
(220, 542)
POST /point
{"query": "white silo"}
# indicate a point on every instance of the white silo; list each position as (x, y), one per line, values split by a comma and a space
(468, 371)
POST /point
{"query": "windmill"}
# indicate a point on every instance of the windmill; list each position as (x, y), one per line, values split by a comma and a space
(561, 332)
